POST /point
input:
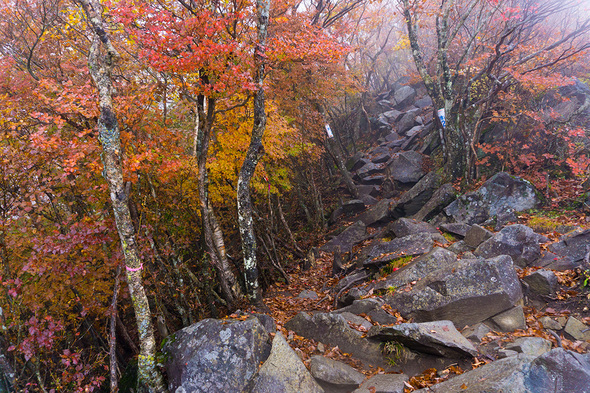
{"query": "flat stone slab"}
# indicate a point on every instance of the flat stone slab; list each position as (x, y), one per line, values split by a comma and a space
(418, 244)
(439, 338)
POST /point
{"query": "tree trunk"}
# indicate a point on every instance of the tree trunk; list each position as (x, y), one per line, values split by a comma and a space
(255, 151)
(212, 233)
(101, 67)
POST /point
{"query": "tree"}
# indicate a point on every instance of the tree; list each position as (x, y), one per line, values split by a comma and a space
(255, 151)
(481, 49)
(101, 68)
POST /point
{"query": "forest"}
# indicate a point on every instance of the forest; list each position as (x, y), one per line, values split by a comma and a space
(166, 161)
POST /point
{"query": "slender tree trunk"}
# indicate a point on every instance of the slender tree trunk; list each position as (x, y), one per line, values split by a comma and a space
(113, 335)
(101, 67)
(211, 230)
(255, 151)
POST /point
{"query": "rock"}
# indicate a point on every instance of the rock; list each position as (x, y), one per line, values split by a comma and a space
(376, 214)
(439, 338)
(505, 353)
(307, 294)
(344, 241)
(370, 169)
(407, 121)
(415, 130)
(550, 323)
(368, 200)
(373, 180)
(499, 193)
(542, 282)
(406, 167)
(467, 293)
(438, 258)
(459, 247)
(333, 329)
(418, 244)
(416, 197)
(533, 346)
(354, 206)
(392, 116)
(370, 307)
(440, 199)
(404, 96)
(509, 320)
(333, 376)
(518, 241)
(216, 355)
(405, 226)
(555, 371)
(284, 372)
(368, 190)
(477, 235)
(577, 329)
(458, 228)
(356, 320)
(572, 247)
(384, 383)
(423, 102)
(476, 332)
(559, 371)
(356, 162)
(380, 158)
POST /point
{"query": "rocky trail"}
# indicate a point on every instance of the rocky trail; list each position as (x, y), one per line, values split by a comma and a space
(416, 288)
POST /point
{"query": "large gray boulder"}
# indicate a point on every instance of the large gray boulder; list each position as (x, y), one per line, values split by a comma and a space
(384, 383)
(283, 372)
(555, 371)
(216, 355)
(407, 121)
(333, 329)
(415, 198)
(440, 199)
(406, 226)
(376, 214)
(439, 338)
(500, 193)
(404, 96)
(334, 376)
(344, 241)
(518, 241)
(467, 292)
(572, 248)
(384, 252)
(438, 258)
(407, 167)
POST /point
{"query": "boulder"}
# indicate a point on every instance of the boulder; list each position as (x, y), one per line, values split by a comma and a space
(423, 102)
(384, 383)
(439, 338)
(369, 169)
(404, 96)
(555, 371)
(440, 199)
(334, 376)
(438, 258)
(456, 228)
(371, 307)
(406, 226)
(377, 214)
(407, 121)
(466, 293)
(572, 247)
(284, 372)
(477, 235)
(392, 116)
(518, 241)
(333, 329)
(353, 206)
(216, 355)
(550, 323)
(577, 329)
(499, 193)
(413, 199)
(509, 320)
(349, 237)
(460, 247)
(534, 346)
(406, 167)
(383, 252)
(542, 282)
